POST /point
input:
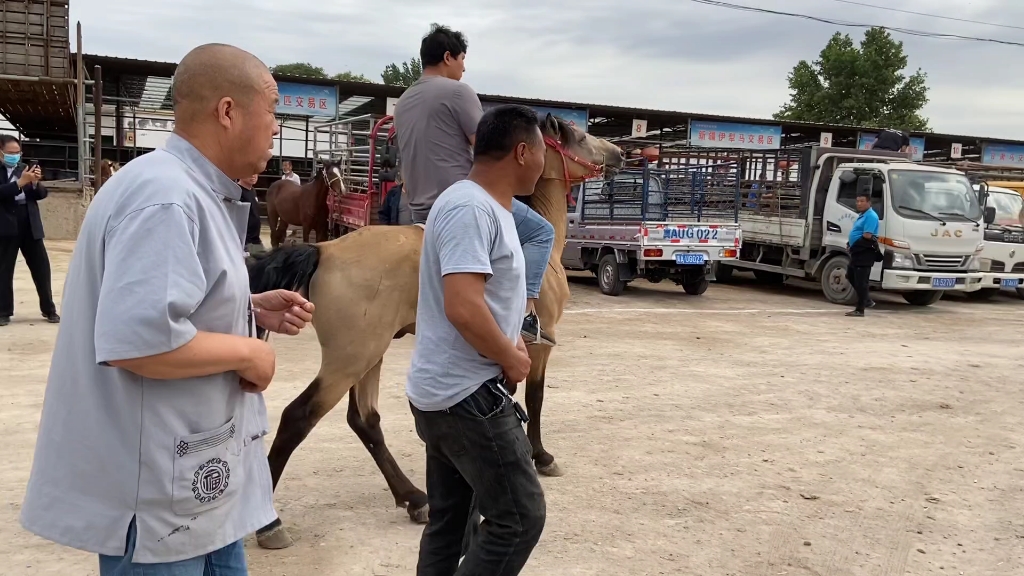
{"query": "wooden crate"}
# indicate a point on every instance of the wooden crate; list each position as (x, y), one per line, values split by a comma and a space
(34, 38)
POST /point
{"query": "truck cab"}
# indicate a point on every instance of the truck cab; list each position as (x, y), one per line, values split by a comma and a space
(1002, 259)
(930, 226)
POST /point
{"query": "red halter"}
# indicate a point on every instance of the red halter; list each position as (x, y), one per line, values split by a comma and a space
(594, 170)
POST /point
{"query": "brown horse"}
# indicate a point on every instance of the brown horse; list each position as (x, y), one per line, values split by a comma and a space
(364, 286)
(107, 169)
(306, 206)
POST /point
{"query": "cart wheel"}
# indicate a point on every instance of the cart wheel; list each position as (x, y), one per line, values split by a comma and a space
(608, 277)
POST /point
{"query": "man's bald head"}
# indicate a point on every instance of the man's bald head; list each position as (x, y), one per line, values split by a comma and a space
(225, 101)
(212, 72)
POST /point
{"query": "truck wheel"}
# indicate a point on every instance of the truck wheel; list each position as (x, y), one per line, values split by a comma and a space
(835, 285)
(723, 273)
(923, 297)
(1020, 293)
(696, 288)
(980, 295)
(769, 277)
(608, 276)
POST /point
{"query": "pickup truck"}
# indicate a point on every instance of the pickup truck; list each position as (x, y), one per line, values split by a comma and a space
(657, 224)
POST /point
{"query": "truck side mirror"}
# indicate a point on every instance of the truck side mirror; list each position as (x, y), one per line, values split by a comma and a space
(864, 185)
(990, 214)
(983, 193)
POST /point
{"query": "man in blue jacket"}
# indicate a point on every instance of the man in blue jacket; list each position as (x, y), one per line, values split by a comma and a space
(21, 229)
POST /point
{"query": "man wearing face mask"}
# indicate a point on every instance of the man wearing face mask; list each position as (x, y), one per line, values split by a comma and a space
(21, 229)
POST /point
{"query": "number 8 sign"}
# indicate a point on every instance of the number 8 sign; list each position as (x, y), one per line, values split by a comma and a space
(639, 128)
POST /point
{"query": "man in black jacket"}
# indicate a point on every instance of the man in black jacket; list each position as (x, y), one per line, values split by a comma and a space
(253, 242)
(21, 229)
(892, 140)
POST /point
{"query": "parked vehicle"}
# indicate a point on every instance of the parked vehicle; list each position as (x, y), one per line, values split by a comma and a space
(796, 223)
(1002, 259)
(657, 224)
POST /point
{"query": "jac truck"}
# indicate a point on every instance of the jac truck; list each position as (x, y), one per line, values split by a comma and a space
(655, 223)
(800, 206)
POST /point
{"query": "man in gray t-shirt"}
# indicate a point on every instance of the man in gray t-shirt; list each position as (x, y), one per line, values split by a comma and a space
(435, 125)
(472, 296)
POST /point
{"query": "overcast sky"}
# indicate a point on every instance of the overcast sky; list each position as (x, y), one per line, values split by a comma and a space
(665, 54)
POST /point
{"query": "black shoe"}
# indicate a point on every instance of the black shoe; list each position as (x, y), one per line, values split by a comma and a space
(871, 303)
(532, 333)
(5, 320)
(52, 318)
(856, 313)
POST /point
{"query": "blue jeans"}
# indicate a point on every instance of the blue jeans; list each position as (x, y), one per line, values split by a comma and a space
(228, 561)
(537, 236)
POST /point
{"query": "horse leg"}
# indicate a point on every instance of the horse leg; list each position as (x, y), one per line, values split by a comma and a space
(297, 421)
(544, 461)
(305, 234)
(364, 419)
(272, 223)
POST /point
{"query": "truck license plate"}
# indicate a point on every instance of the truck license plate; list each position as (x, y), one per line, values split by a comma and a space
(1010, 282)
(689, 258)
(943, 282)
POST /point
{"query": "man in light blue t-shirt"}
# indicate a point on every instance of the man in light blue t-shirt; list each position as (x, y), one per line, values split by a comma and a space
(472, 296)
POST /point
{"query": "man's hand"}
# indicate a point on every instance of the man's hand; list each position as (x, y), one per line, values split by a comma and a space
(282, 311)
(260, 366)
(517, 368)
(30, 177)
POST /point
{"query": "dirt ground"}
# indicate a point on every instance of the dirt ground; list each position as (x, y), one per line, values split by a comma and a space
(752, 431)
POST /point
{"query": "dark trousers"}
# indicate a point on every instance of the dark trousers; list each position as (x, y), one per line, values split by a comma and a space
(478, 457)
(858, 277)
(38, 263)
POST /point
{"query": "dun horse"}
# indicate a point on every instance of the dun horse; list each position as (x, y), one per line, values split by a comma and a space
(364, 286)
(306, 206)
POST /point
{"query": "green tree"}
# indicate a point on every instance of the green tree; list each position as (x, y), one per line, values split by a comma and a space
(409, 72)
(304, 69)
(862, 86)
(349, 76)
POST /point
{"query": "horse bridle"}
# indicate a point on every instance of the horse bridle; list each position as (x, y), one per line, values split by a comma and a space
(593, 170)
(330, 181)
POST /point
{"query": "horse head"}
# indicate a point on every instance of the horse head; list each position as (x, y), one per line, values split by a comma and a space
(331, 172)
(574, 155)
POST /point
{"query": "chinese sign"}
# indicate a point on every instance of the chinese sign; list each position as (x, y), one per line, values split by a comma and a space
(306, 100)
(1002, 154)
(916, 145)
(574, 117)
(728, 135)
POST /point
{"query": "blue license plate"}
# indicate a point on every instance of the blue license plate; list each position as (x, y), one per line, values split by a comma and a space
(943, 282)
(689, 258)
(1010, 282)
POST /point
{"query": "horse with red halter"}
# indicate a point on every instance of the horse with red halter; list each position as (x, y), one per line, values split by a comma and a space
(306, 205)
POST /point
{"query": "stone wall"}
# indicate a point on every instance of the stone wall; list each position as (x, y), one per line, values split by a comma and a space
(64, 209)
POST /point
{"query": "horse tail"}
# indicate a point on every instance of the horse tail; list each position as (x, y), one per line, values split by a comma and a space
(286, 267)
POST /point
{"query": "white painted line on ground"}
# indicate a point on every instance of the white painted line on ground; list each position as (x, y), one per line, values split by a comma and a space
(708, 311)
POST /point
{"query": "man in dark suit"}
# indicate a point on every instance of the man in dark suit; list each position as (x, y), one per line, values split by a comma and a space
(253, 242)
(21, 229)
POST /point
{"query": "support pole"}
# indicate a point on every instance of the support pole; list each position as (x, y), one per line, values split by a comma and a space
(97, 136)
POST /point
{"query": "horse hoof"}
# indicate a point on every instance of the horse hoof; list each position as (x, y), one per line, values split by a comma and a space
(419, 515)
(551, 470)
(276, 539)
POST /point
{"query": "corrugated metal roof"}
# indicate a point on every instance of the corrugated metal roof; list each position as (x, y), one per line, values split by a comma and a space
(621, 113)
